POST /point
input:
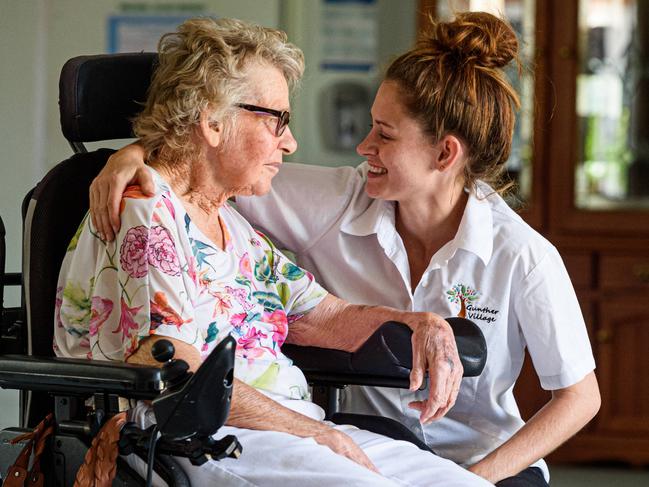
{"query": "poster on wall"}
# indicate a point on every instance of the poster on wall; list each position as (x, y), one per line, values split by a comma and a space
(128, 33)
(349, 35)
(139, 26)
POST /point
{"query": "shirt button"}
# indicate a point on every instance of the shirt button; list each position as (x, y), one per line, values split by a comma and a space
(424, 283)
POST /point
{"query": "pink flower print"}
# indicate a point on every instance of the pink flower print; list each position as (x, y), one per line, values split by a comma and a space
(126, 320)
(237, 320)
(58, 302)
(249, 354)
(132, 347)
(241, 295)
(245, 268)
(169, 204)
(191, 269)
(251, 338)
(133, 252)
(280, 325)
(294, 318)
(250, 346)
(99, 313)
(162, 252)
(222, 303)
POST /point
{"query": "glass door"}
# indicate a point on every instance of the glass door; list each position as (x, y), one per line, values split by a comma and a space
(601, 138)
(613, 106)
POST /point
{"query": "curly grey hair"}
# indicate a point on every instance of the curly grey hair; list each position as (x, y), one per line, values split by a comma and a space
(203, 65)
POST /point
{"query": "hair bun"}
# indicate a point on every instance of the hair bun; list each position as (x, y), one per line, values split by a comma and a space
(475, 37)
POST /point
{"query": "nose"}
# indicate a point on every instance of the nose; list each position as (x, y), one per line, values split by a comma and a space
(287, 142)
(366, 147)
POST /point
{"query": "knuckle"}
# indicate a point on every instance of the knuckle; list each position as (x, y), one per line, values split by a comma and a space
(435, 398)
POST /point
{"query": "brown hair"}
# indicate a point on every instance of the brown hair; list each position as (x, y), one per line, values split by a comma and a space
(204, 65)
(452, 82)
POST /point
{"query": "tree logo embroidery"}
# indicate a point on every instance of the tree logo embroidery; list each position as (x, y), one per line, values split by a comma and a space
(463, 295)
(466, 297)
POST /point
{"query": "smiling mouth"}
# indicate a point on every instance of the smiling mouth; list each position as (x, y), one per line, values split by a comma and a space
(377, 170)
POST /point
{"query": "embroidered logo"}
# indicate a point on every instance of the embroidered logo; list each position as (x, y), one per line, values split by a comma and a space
(467, 298)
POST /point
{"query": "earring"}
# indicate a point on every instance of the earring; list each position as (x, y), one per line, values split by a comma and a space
(442, 167)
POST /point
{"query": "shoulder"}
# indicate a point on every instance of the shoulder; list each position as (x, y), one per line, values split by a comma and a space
(318, 184)
(162, 206)
(514, 239)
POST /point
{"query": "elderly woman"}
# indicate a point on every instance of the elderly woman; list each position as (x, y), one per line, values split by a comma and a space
(187, 267)
(424, 214)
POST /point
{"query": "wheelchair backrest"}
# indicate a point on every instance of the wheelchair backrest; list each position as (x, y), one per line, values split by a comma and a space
(98, 97)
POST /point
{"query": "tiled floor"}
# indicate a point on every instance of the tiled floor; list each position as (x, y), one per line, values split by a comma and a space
(594, 476)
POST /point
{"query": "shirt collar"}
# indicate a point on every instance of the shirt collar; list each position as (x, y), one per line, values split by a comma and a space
(475, 233)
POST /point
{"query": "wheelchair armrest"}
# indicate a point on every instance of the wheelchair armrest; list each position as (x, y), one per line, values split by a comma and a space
(79, 377)
(385, 359)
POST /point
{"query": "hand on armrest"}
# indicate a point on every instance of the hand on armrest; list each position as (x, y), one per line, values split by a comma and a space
(385, 359)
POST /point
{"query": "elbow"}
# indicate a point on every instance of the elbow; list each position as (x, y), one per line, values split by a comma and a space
(595, 403)
(591, 398)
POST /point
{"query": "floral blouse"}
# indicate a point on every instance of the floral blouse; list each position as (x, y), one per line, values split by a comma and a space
(162, 276)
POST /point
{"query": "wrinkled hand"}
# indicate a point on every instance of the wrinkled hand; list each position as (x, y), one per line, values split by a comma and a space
(124, 167)
(342, 444)
(434, 350)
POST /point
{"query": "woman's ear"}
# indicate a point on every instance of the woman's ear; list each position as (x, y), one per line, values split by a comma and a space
(451, 153)
(210, 130)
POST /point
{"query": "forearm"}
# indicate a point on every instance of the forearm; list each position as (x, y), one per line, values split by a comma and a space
(343, 326)
(253, 410)
(336, 324)
(250, 408)
(564, 415)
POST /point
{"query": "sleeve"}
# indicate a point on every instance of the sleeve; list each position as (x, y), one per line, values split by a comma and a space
(147, 280)
(297, 289)
(552, 323)
(304, 202)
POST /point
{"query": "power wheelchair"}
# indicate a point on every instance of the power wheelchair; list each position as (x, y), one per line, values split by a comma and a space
(98, 97)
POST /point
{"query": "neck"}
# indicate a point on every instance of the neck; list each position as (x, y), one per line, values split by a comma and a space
(195, 185)
(200, 194)
(431, 221)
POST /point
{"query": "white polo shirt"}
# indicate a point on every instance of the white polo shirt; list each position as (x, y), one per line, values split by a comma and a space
(510, 281)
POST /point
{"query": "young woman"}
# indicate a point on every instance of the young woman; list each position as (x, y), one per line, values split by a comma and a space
(421, 226)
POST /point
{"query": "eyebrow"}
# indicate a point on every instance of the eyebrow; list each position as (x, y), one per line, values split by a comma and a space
(385, 124)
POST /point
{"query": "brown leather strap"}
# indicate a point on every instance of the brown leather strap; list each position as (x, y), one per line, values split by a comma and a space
(100, 463)
(35, 477)
(17, 475)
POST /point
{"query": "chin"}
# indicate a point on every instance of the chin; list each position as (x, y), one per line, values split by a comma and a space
(261, 189)
(372, 192)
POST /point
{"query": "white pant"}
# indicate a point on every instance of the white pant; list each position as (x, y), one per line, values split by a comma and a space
(271, 458)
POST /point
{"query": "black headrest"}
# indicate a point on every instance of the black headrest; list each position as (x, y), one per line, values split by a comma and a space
(99, 95)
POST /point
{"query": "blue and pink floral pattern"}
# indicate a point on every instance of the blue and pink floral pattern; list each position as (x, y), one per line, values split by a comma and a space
(162, 276)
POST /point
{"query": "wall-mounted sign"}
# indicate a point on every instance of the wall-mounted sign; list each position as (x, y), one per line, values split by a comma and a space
(349, 35)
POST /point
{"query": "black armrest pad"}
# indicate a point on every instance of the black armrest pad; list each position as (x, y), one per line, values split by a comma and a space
(78, 376)
(385, 359)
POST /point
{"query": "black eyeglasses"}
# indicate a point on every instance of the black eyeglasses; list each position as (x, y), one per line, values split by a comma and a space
(282, 117)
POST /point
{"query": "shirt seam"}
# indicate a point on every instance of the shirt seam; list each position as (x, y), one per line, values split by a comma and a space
(334, 220)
